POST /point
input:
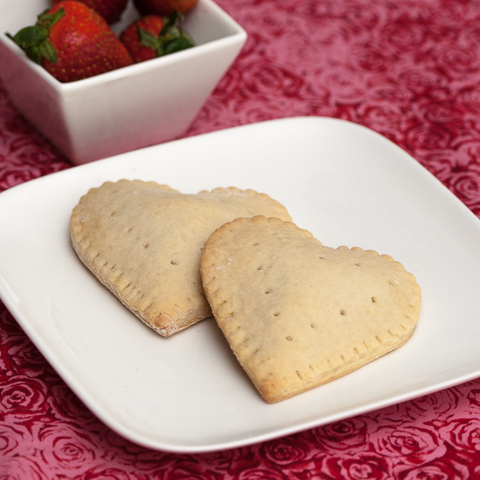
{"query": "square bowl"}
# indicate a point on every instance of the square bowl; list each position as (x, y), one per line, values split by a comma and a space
(125, 109)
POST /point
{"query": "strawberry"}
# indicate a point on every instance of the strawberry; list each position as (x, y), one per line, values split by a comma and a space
(110, 10)
(71, 41)
(164, 8)
(154, 36)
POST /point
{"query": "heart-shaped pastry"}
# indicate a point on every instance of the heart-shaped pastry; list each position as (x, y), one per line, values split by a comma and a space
(143, 241)
(298, 314)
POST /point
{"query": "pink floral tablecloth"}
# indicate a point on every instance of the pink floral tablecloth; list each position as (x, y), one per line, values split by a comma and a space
(409, 70)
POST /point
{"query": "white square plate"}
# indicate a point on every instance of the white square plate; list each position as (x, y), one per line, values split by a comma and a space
(344, 183)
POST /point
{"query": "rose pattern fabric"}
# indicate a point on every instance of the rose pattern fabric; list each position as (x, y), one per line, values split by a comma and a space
(409, 70)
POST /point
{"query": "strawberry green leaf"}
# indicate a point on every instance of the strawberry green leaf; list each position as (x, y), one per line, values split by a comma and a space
(147, 38)
(34, 39)
(29, 37)
(176, 45)
(171, 25)
(170, 39)
(34, 54)
(48, 51)
(48, 20)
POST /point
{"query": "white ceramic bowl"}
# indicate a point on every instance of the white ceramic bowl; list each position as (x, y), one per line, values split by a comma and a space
(129, 108)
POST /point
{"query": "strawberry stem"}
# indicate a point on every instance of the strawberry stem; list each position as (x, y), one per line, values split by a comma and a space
(170, 39)
(48, 20)
(34, 40)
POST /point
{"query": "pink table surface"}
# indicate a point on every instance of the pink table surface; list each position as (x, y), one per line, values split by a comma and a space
(409, 70)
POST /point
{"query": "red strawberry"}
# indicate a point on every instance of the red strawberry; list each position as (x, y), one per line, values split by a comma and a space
(154, 36)
(72, 42)
(164, 7)
(110, 10)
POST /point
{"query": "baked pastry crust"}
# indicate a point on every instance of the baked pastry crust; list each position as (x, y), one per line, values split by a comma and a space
(298, 314)
(143, 241)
